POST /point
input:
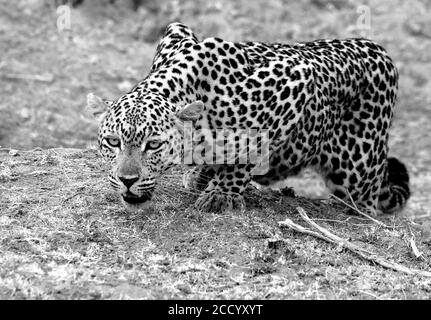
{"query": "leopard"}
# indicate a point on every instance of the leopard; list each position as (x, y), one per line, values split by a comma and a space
(327, 105)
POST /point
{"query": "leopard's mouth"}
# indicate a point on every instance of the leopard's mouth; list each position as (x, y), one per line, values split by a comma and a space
(133, 199)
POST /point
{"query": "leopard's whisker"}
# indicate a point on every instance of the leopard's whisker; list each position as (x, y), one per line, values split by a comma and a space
(200, 175)
(186, 191)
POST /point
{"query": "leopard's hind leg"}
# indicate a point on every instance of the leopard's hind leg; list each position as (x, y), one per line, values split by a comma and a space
(353, 160)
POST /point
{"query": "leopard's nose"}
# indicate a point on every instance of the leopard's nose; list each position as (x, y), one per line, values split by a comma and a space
(129, 180)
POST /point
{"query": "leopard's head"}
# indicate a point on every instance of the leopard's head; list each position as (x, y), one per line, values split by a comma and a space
(142, 136)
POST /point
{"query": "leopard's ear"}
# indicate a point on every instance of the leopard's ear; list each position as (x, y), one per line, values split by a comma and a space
(188, 114)
(97, 106)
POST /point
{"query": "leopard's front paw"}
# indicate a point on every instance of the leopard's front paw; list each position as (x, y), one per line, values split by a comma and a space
(215, 201)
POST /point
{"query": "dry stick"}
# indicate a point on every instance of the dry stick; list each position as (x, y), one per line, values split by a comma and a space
(31, 77)
(351, 199)
(290, 224)
(20, 151)
(327, 233)
(361, 213)
(425, 216)
(332, 238)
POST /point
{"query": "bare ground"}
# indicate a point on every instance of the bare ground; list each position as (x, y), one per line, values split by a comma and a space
(64, 235)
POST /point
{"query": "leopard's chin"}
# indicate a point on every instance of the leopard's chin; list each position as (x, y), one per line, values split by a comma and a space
(133, 202)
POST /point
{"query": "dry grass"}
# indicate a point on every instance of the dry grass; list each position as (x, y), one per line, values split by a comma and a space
(63, 233)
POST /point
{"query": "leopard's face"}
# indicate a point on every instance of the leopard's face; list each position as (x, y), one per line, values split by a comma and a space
(141, 139)
(136, 165)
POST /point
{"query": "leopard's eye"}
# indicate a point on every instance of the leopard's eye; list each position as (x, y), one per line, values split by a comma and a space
(153, 145)
(113, 142)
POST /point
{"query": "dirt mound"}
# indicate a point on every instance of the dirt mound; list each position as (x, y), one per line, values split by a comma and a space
(64, 234)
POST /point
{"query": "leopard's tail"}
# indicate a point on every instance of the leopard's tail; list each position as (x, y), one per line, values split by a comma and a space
(395, 190)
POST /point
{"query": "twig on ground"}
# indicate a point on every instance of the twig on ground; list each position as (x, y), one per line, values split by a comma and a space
(37, 173)
(351, 200)
(425, 216)
(20, 151)
(73, 196)
(334, 238)
(415, 249)
(361, 213)
(418, 254)
(346, 221)
(292, 225)
(326, 235)
(370, 294)
(48, 77)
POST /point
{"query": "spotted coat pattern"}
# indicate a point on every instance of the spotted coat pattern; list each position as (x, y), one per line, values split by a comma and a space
(327, 104)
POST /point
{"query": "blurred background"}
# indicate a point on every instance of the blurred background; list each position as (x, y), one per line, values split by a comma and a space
(48, 65)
